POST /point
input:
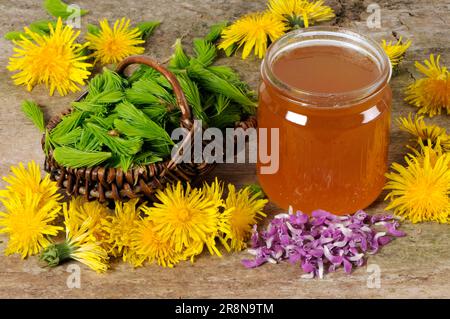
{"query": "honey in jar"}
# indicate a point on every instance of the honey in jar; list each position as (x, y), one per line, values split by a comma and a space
(327, 93)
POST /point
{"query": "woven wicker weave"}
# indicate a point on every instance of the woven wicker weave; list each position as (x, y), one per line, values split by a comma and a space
(108, 183)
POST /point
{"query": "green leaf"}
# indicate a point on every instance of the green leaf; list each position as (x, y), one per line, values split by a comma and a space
(179, 59)
(173, 119)
(41, 27)
(109, 97)
(136, 124)
(57, 8)
(93, 29)
(224, 71)
(159, 148)
(71, 157)
(88, 142)
(215, 31)
(216, 84)
(106, 81)
(140, 93)
(47, 142)
(97, 104)
(143, 71)
(118, 145)
(154, 87)
(222, 103)
(227, 73)
(14, 35)
(146, 158)
(156, 112)
(162, 80)
(208, 102)
(230, 50)
(205, 51)
(33, 112)
(106, 122)
(147, 28)
(95, 85)
(112, 80)
(149, 91)
(227, 118)
(125, 162)
(91, 107)
(192, 94)
(67, 124)
(68, 139)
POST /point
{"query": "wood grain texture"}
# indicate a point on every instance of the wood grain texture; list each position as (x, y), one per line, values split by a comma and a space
(415, 266)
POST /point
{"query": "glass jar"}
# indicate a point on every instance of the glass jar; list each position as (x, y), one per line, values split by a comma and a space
(333, 129)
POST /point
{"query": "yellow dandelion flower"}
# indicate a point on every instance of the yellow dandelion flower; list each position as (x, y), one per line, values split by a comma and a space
(28, 222)
(120, 228)
(95, 211)
(253, 31)
(430, 94)
(214, 191)
(187, 218)
(114, 45)
(434, 151)
(148, 246)
(420, 190)
(23, 179)
(420, 130)
(54, 60)
(80, 243)
(300, 13)
(395, 51)
(445, 143)
(243, 209)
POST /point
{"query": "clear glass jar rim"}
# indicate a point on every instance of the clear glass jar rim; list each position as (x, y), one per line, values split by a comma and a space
(317, 33)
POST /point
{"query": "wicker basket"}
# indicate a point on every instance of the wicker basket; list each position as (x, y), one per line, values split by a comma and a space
(108, 183)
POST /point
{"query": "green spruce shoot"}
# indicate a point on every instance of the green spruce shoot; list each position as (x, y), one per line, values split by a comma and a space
(34, 113)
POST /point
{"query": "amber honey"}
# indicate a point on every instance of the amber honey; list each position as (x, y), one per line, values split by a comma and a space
(327, 93)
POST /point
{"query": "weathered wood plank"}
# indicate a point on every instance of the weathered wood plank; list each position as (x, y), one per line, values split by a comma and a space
(415, 266)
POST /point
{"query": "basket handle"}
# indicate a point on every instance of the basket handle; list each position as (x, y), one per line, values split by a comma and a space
(186, 115)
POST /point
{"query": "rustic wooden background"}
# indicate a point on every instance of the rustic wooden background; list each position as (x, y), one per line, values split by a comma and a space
(415, 266)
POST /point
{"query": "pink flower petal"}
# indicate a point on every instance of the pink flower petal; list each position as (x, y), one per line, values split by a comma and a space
(322, 242)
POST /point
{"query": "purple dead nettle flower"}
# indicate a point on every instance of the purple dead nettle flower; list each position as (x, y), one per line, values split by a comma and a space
(323, 242)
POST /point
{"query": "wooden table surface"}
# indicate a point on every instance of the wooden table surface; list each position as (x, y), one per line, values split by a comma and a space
(415, 266)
